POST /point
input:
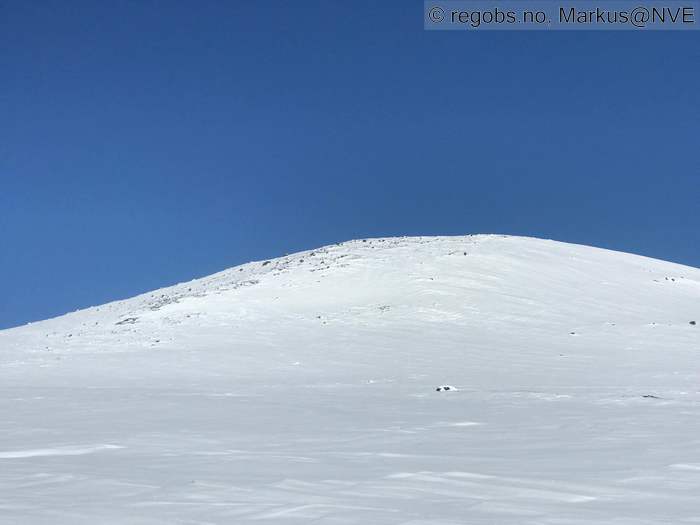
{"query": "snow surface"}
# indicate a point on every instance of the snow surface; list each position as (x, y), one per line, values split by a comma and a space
(303, 390)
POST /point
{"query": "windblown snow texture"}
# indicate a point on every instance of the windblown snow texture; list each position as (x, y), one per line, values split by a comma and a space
(304, 390)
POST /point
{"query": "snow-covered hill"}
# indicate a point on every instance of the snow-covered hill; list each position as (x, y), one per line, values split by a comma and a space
(303, 390)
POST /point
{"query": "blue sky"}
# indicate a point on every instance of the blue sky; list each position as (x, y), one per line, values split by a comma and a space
(147, 143)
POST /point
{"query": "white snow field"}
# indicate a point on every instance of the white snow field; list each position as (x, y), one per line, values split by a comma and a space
(303, 391)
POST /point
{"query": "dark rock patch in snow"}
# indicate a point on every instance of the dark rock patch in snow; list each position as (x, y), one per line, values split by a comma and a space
(128, 320)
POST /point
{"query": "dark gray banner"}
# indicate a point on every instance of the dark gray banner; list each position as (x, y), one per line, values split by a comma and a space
(477, 15)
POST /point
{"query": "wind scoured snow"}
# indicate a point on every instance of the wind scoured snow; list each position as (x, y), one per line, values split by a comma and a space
(303, 390)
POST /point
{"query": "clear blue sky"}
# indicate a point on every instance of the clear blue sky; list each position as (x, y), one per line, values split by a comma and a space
(146, 143)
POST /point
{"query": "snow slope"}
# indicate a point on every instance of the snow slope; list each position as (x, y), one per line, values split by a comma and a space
(303, 390)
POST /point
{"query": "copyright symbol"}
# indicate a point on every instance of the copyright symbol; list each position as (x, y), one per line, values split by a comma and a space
(436, 14)
(640, 16)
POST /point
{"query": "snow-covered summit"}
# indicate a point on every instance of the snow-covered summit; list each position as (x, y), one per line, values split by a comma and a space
(466, 298)
(311, 388)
